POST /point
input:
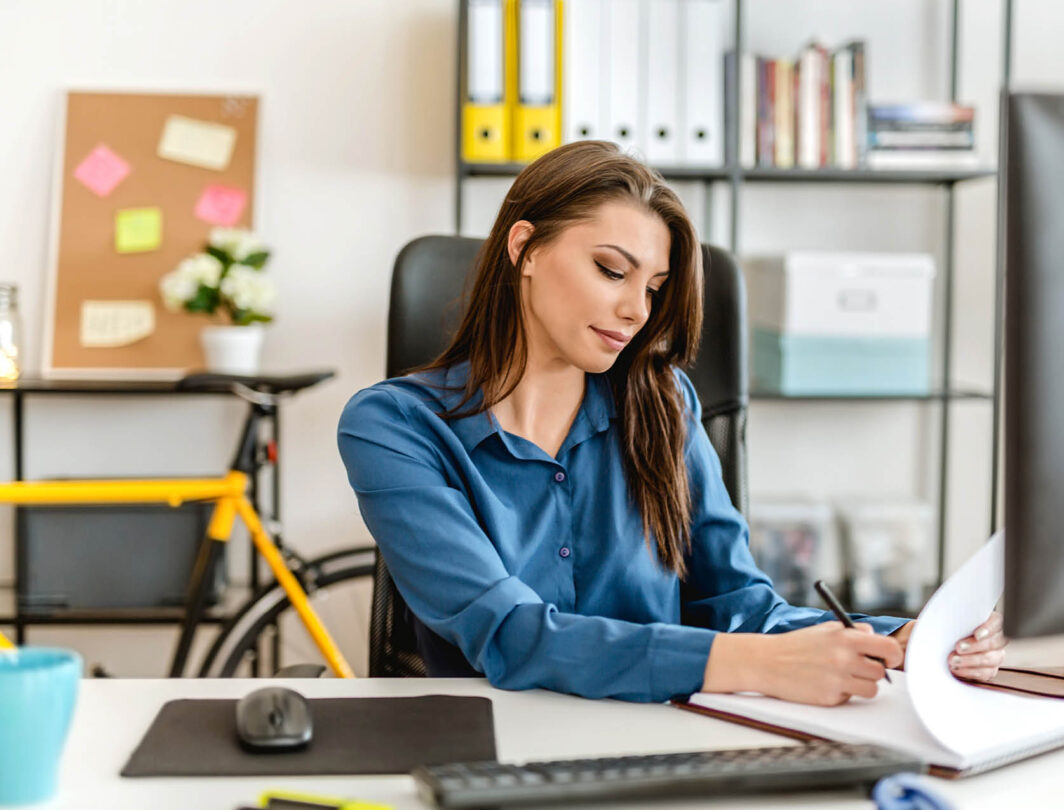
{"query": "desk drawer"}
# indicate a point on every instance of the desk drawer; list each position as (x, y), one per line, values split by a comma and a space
(102, 557)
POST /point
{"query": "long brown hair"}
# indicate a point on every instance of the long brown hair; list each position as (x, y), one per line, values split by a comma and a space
(562, 188)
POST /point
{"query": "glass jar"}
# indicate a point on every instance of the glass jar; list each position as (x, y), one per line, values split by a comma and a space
(10, 333)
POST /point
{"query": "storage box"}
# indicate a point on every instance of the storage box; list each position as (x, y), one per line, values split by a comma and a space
(106, 557)
(794, 541)
(889, 551)
(841, 323)
(808, 364)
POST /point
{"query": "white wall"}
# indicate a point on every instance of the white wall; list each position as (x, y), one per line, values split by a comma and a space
(356, 157)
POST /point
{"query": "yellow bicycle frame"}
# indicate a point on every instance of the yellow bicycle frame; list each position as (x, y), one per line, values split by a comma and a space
(230, 500)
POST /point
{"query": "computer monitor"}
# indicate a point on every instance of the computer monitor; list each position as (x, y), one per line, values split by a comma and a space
(1032, 166)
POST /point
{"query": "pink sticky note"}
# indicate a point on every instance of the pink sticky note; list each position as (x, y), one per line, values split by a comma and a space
(221, 205)
(101, 171)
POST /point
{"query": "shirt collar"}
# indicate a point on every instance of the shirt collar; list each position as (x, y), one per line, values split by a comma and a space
(594, 416)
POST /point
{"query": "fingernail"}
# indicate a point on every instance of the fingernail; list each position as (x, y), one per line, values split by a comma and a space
(955, 661)
(982, 633)
(964, 646)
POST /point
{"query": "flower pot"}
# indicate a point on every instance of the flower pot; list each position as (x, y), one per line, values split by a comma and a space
(232, 349)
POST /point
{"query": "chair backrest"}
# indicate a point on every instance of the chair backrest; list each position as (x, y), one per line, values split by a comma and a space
(429, 281)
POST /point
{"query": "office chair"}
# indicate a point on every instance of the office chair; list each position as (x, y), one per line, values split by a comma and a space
(428, 283)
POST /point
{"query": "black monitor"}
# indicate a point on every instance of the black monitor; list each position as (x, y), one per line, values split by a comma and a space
(1033, 170)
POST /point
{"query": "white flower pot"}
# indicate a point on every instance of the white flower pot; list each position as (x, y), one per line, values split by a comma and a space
(232, 349)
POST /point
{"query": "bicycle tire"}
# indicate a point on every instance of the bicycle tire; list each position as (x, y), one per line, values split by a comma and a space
(321, 577)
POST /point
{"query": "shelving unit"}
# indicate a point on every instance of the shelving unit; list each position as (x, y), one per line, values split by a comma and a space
(736, 176)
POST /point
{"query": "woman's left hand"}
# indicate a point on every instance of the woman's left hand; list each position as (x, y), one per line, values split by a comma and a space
(979, 655)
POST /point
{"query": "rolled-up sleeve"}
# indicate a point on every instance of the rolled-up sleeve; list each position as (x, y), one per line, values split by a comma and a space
(725, 590)
(411, 496)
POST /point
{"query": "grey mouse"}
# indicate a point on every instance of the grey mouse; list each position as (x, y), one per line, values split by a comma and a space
(273, 719)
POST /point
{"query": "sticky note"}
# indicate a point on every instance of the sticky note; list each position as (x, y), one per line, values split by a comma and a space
(101, 171)
(138, 229)
(107, 324)
(221, 205)
(198, 143)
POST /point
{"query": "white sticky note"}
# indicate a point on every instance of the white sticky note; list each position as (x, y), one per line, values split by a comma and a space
(199, 143)
(107, 324)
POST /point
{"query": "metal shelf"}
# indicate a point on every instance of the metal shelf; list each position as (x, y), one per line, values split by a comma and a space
(932, 177)
(931, 396)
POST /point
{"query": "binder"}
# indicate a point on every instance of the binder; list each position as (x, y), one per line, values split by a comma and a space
(702, 27)
(485, 117)
(583, 54)
(660, 123)
(623, 74)
(537, 125)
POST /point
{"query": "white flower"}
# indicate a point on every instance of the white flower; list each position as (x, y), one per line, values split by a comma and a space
(176, 289)
(184, 282)
(237, 242)
(249, 289)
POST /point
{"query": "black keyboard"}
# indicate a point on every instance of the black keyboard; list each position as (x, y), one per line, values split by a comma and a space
(811, 766)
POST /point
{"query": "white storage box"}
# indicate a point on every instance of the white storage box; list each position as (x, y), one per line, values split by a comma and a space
(889, 551)
(794, 541)
(841, 294)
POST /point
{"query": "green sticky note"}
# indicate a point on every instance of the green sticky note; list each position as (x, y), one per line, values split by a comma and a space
(138, 230)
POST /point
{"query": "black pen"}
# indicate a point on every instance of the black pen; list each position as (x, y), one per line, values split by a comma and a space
(840, 614)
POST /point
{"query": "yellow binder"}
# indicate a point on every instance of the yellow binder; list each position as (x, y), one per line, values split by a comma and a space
(485, 113)
(537, 80)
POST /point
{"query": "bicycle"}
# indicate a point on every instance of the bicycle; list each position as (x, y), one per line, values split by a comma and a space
(298, 582)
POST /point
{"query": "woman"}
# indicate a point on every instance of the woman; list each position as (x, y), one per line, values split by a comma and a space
(544, 494)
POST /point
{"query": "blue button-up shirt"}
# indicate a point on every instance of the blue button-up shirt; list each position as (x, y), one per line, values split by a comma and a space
(535, 567)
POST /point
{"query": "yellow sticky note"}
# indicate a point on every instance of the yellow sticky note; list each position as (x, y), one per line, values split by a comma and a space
(138, 229)
(108, 324)
(198, 143)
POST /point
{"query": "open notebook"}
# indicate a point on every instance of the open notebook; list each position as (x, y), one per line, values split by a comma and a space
(957, 728)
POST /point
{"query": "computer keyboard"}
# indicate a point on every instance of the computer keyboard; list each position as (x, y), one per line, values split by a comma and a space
(811, 766)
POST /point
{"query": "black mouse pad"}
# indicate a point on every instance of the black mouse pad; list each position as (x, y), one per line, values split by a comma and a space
(351, 736)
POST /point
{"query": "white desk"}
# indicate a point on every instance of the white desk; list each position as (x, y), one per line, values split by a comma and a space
(113, 714)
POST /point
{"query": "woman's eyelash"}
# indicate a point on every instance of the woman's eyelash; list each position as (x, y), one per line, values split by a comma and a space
(611, 274)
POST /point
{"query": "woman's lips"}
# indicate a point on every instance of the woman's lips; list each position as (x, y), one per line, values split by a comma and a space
(615, 340)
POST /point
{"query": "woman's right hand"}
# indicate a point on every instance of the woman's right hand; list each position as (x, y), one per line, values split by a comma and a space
(824, 665)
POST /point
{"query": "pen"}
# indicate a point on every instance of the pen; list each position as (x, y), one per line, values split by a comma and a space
(840, 614)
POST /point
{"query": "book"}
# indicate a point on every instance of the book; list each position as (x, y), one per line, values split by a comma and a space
(958, 728)
(922, 159)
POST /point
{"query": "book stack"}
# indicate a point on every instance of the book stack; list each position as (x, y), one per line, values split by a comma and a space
(922, 135)
(809, 111)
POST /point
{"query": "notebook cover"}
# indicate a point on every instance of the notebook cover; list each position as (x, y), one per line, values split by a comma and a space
(351, 736)
(1043, 681)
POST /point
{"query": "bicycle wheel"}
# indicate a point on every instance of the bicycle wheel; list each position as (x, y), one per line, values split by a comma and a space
(339, 586)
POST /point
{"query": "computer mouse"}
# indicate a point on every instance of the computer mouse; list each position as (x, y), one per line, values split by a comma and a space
(273, 718)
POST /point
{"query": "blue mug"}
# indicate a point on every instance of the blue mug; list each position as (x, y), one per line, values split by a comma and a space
(38, 686)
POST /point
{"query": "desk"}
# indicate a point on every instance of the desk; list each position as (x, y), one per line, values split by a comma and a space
(113, 714)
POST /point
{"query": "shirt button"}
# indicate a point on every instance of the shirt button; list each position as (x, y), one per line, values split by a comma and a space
(559, 477)
(564, 552)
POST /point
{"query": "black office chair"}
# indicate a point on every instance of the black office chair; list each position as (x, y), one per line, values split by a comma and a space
(428, 283)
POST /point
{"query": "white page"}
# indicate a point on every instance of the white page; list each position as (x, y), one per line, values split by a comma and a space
(977, 723)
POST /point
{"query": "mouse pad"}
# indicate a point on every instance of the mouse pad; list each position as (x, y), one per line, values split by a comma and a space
(351, 736)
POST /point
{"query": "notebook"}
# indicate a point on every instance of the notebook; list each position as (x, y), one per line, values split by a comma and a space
(957, 728)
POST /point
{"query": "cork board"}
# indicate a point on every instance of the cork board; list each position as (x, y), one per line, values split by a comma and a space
(112, 163)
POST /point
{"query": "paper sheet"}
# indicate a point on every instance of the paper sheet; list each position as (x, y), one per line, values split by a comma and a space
(101, 171)
(138, 230)
(964, 718)
(221, 205)
(108, 324)
(198, 143)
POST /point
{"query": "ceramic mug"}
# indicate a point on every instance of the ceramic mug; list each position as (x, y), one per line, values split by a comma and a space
(38, 686)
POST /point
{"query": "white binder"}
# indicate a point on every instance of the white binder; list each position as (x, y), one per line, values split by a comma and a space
(623, 74)
(584, 73)
(660, 125)
(702, 33)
